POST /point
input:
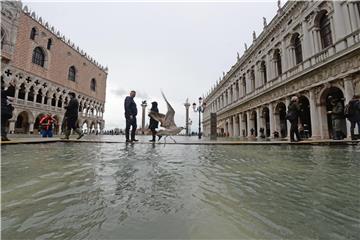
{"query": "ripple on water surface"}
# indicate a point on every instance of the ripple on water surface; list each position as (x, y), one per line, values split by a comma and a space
(112, 191)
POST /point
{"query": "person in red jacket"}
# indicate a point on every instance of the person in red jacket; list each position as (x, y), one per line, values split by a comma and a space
(47, 122)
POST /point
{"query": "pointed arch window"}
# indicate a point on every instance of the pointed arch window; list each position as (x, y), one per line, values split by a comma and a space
(38, 56)
(93, 84)
(33, 33)
(72, 74)
(49, 44)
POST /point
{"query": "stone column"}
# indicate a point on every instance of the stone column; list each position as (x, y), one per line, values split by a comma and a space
(322, 114)
(348, 94)
(236, 126)
(339, 25)
(241, 123)
(17, 88)
(284, 57)
(248, 123)
(143, 106)
(35, 96)
(258, 121)
(57, 101)
(248, 82)
(268, 67)
(315, 126)
(357, 13)
(240, 88)
(353, 18)
(288, 125)
(271, 119)
(42, 99)
(258, 76)
(316, 40)
(26, 94)
(231, 128)
(187, 105)
(306, 44)
(235, 97)
(12, 126)
(31, 127)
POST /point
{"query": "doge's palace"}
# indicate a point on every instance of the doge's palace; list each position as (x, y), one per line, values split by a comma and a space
(40, 66)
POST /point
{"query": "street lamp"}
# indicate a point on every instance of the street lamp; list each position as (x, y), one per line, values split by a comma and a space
(200, 109)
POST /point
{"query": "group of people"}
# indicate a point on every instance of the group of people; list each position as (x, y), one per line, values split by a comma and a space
(47, 122)
(130, 116)
(338, 114)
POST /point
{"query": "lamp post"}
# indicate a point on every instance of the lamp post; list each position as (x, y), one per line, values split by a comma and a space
(187, 105)
(200, 109)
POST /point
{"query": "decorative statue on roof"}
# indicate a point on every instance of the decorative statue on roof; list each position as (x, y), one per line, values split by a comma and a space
(264, 22)
(254, 35)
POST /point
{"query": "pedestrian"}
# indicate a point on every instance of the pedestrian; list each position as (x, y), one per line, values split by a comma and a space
(153, 123)
(6, 114)
(352, 112)
(337, 116)
(293, 117)
(71, 115)
(46, 123)
(130, 116)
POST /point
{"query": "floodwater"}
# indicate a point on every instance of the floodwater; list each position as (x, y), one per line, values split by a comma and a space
(117, 191)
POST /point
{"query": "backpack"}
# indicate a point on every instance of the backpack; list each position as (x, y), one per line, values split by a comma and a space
(348, 110)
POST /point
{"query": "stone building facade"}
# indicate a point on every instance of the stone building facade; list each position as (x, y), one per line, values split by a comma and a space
(39, 67)
(310, 49)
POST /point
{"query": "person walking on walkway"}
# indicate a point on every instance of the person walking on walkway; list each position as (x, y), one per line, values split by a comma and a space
(293, 117)
(46, 123)
(352, 112)
(153, 123)
(130, 116)
(337, 117)
(71, 115)
(6, 114)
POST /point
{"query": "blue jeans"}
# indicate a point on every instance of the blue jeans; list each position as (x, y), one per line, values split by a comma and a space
(47, 133)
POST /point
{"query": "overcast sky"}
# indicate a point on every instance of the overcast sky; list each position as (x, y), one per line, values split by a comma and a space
(181, 48)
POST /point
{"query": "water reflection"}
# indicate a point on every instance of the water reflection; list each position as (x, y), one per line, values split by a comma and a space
(112, 191)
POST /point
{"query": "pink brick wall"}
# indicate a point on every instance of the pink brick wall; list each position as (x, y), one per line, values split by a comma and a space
(59, 58)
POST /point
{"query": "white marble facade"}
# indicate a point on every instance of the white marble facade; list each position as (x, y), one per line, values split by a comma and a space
(309, 49)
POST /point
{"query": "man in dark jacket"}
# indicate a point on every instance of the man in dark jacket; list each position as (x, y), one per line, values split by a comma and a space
(293, 117)
(153, 123)
(6, 114)
(354, 115)
(71, 116)
(130, 116)
(337, 117)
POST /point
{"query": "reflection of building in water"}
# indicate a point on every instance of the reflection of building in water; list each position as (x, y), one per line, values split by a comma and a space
(40, 67)
(309, 49)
